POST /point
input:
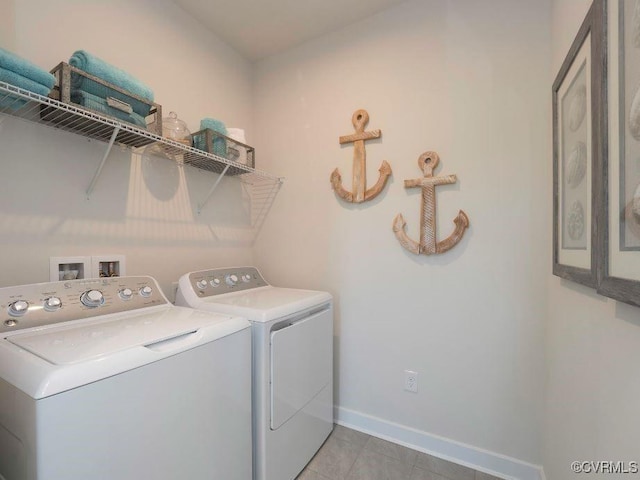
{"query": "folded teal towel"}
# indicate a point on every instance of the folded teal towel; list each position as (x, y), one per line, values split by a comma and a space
(99, 105)
(23, 82)
(24, 68)
(78, 82)
(219, 144)
(101, 69)
(213, 124)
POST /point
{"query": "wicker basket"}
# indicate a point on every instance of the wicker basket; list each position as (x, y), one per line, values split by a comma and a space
(114, 102)
(213, 142)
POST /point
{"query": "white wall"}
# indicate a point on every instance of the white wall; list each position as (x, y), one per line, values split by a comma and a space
(143, 207)
(472, 83)
(593, 380)
(7, 27)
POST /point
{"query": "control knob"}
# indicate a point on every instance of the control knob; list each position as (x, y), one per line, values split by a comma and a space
(92, 298)
(231, 280)
(125, 294)
(246, 278)
(18, 308)
(215, 282)
(52, 304)
(146, 291)
(202, 284)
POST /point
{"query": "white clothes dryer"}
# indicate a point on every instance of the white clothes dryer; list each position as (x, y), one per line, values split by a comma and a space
(103, 379)
(292, 333)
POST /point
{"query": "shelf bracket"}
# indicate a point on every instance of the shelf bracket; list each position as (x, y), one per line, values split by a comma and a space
(213, 189)
(116, 130)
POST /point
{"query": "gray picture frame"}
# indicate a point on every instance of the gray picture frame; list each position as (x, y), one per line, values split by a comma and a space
(592, 35)
(612, 282)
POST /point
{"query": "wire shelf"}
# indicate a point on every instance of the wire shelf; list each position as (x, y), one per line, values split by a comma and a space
(36, 108)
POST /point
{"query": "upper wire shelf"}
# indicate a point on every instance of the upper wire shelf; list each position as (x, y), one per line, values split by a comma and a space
(21, 103)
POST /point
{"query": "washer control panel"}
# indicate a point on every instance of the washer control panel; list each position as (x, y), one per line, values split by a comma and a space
(41, 304)
(207, 283)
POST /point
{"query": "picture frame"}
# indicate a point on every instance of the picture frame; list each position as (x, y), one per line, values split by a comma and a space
(619, 273)
(579, 149)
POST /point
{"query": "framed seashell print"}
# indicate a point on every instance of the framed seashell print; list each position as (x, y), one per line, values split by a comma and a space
(619, 274)
(579, 142)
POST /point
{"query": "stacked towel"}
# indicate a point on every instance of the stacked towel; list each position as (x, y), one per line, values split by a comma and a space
(101, 69)
(24, 68)
(25, 83)
(23, 74)
(219, 144)
(100, 105)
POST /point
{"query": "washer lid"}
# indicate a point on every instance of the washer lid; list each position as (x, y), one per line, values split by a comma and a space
(265, 303)
(52, 360)
(80, 343)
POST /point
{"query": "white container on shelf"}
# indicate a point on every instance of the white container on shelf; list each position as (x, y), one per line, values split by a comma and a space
(237, 134)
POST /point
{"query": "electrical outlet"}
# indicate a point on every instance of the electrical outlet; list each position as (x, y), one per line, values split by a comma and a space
(411, 381)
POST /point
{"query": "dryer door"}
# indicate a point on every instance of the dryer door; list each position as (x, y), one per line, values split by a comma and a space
(301, 364)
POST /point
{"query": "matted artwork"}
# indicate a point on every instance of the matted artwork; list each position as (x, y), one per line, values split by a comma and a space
(578, 120)
(628, 204)
(619, 274)
(575, 158)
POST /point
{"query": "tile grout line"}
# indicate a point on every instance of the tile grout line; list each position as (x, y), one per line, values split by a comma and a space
(346, 477)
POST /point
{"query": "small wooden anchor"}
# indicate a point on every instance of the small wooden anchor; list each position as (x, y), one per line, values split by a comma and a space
(360, 193)
(427, 162)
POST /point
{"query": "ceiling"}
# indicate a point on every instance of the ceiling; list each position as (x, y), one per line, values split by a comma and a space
(260, 28)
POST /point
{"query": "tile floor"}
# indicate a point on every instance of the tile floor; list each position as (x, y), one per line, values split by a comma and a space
(351, 455)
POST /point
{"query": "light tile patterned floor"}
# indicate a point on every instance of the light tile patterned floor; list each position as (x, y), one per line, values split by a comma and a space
(351, 455)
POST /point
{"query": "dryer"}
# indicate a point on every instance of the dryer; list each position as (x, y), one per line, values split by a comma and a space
(103, 379)
(292, 332)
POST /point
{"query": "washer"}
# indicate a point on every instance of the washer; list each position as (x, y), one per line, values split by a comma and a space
(105, 379)
(292, 333)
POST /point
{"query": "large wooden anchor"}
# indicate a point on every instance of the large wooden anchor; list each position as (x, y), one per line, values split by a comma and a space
(360, 193)
(428, 245)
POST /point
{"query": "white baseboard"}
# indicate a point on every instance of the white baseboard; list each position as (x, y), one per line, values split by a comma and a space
(447, 449)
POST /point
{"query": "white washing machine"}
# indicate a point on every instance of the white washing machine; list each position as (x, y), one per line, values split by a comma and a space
(105, 379)
(292, 334)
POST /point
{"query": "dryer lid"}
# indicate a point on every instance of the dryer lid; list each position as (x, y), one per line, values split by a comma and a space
(265, 303)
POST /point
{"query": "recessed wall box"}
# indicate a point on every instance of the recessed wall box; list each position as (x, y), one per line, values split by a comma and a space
(69, 268)
(108, 266)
